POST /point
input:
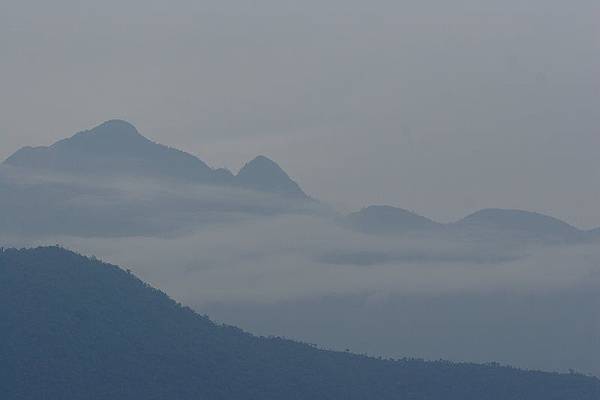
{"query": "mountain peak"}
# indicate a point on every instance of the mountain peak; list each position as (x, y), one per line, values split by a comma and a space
(114, 127)
(118, 124)
(264, 163)
(264, 174)
(388, 220)
(114, 147)
(519, 220)
(114, 134)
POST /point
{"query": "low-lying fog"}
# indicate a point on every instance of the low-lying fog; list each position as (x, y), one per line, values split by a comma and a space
(305, 277)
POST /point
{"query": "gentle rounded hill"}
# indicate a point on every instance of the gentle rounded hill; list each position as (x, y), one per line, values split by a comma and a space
(388, 220)
(75, 328)
(520, 221)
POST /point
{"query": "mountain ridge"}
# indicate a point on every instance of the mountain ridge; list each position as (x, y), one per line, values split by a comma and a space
(389, 220)
(69, 318)
(115, 147)
(381, 219)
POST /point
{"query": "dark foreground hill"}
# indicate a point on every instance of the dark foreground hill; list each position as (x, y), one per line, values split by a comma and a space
(75, 328)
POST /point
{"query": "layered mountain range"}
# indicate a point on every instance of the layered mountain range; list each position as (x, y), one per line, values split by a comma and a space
(486, 223)
(116, 150)
(251, 248)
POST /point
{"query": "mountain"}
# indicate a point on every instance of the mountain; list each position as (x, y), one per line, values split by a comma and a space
(265, 175)
(488, 224)
(49, 206)
(388, 220)
(116, 148)
(89, 185)
(521, 222)
(73, 328)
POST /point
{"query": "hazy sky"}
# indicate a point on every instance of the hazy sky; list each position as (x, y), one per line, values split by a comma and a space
(440, 107)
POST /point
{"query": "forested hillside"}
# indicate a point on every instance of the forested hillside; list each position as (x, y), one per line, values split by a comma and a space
(76, 328)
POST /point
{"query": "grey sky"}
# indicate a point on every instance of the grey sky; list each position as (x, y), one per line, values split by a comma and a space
(440, 107)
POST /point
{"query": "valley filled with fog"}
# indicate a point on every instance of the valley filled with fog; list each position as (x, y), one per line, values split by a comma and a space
(508, 286)
(303, 200)
(303, 278)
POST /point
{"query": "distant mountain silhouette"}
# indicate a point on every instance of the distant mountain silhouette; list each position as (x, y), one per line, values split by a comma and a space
(116, 148)
(388, 220)
(265, 175)
(519, 221)
(75, 328)
(485, 224)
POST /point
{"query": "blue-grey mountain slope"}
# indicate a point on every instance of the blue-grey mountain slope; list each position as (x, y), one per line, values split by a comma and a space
(112, 181)
(388, 220)
(74, 328)
(487, 224)
(525, 224)
(265, 175)
(116, 148)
